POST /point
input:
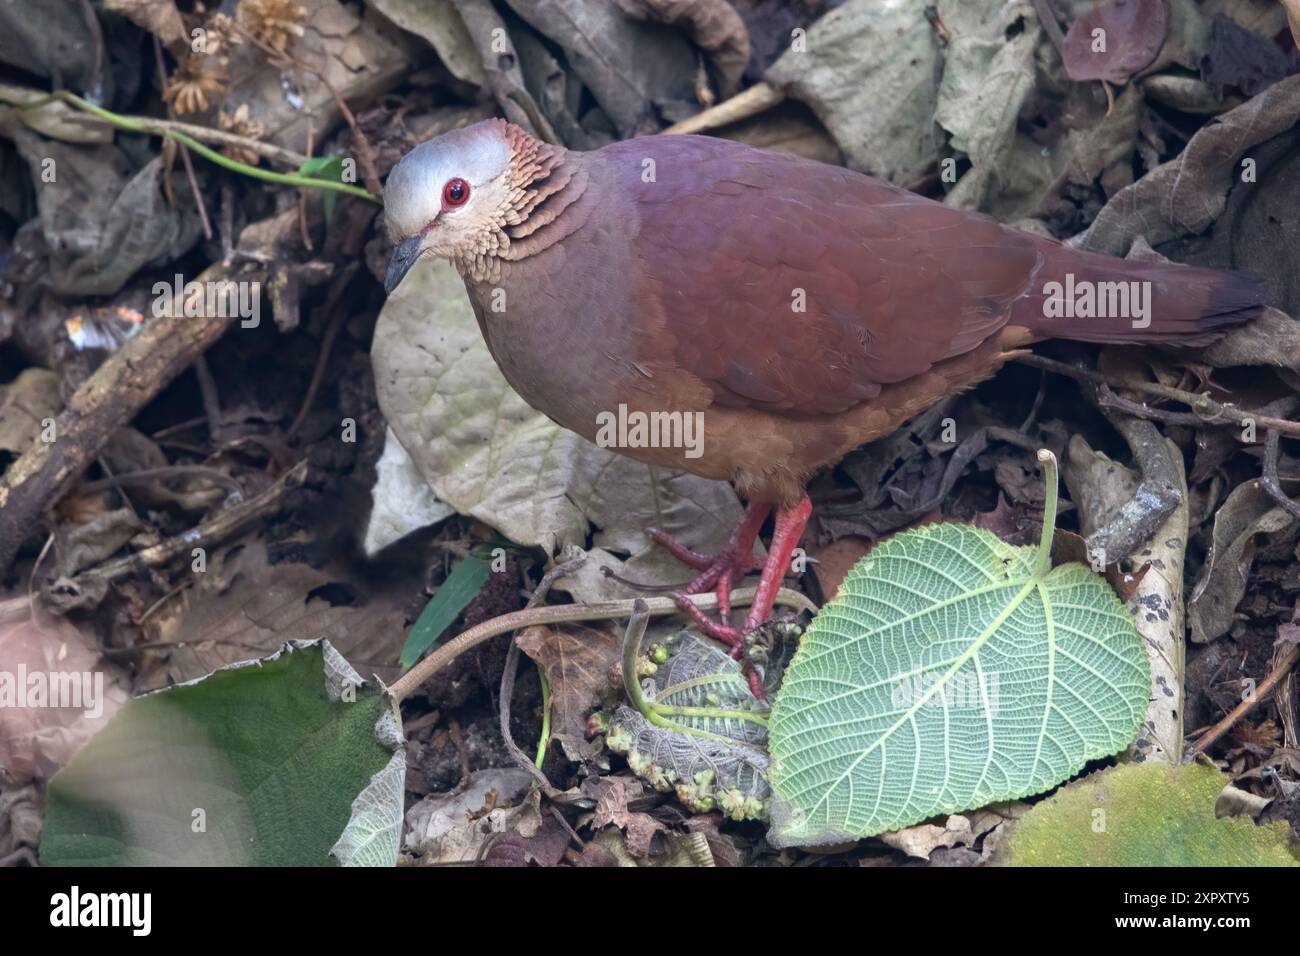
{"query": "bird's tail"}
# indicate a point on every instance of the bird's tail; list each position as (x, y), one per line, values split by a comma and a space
(1088, 297)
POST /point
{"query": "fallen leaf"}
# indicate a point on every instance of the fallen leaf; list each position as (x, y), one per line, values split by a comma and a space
(159, 17)
(440, 23)
(402, 499)
(78, 693)
(868, 71)
(577, 661)
(596, 36)
(1248, 512)
(1114, 41)
(1149, 814)
(713, 25)
(452, 827)
(25, 404)
(241, 606)
(1187, 194)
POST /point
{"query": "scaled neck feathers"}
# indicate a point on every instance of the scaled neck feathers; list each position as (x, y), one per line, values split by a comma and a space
(544, 181)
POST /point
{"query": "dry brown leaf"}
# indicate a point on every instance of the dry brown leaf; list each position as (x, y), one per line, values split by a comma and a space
(577, 661)
(241, 607)
(41, 665)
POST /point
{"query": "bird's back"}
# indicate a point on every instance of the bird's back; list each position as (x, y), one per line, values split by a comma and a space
(791, 285)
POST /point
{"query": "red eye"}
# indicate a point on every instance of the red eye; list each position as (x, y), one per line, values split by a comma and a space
(455, 193)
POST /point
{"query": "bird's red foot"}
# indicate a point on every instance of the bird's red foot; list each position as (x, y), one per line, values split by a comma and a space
(737, 560)
(718, 573)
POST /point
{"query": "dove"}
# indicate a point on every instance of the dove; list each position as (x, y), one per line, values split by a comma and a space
(750, 316)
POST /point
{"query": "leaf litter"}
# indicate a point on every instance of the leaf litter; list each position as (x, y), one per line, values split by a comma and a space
(1188, 156)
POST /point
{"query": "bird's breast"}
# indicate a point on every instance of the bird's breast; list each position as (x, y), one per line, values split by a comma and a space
(558, 337)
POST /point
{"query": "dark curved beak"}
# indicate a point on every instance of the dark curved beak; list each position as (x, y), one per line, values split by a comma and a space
(404, 256)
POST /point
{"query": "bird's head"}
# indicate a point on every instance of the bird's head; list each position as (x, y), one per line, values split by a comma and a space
(450, 197)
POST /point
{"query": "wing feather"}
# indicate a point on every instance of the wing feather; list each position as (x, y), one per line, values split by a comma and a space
(732, 242)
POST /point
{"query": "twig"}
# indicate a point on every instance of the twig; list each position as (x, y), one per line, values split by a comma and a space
(108, 399)
(185, 153)
(750, 102)
(608, 611)
(1046, 11)
(211, 398)
(510, 673)
(147, 475)
(1270, 482)
(1286, 658)
(231, 521)
(1208, 411)
(1106, 398)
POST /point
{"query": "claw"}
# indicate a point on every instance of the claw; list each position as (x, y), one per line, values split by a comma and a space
(718, 574)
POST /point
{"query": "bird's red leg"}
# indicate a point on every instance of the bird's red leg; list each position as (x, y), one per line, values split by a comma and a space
(737, 559)
(718, 573)
(790, 523)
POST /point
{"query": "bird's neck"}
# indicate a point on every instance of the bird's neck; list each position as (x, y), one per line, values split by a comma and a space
(543, 209)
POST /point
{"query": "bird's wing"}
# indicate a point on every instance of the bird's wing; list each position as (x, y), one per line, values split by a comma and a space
(792, 285)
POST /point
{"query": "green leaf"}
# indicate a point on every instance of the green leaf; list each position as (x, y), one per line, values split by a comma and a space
(951, 671)
(325, 167)
(1146, 814)
(710, 758)
(258, 764)
(453, 595)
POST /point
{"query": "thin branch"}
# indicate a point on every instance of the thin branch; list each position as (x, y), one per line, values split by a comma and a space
(1270, 482)
(608, 611)
(164, 127)
(1286, 658)
(510, 673)
(742, 106)
(150, 475)
(185, 153)
(1208, 411)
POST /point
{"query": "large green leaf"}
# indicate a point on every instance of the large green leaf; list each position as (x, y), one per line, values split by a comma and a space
(1144, 815)
(270, 763)
(951, 671)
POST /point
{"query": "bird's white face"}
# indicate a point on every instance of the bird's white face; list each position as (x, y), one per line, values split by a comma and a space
(448, 197)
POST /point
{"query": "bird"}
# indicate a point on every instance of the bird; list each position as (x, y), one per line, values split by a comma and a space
(795, 309)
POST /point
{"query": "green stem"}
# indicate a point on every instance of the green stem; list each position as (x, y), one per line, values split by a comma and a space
(546, 718)
(1043, 564)
(713, 713)
(658, 714)
(132, 125)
